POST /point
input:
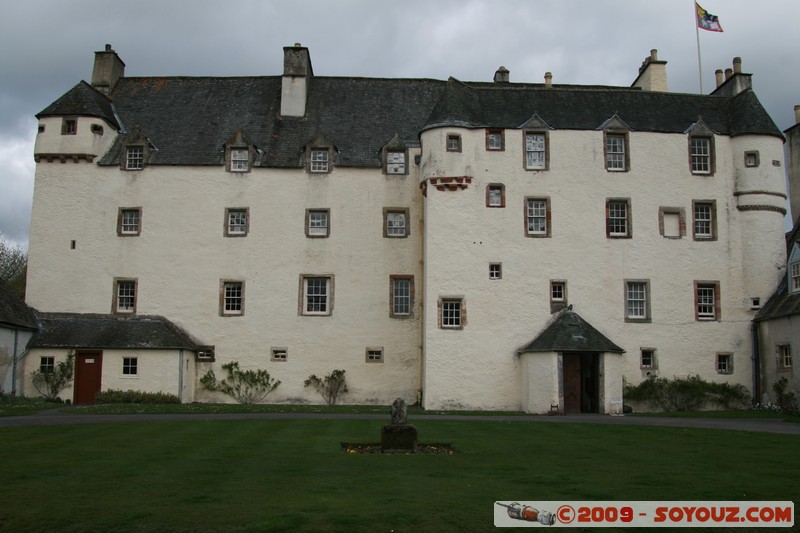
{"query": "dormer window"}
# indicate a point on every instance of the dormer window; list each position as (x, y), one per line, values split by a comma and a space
(794, 270)
(320, 160)
(240, 160)
(69, 126)
(616, 147)
(796, 277)
(134, 157)
(395, 162)
(701, 149)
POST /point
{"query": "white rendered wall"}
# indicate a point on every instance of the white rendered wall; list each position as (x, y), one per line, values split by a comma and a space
(181, 256)
(7, 350)
(476, 367)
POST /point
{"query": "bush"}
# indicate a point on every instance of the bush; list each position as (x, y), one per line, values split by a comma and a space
(135, 396)
(785, 400)
(50, 384)
(685, 393)
(330, 387)
(245, 386)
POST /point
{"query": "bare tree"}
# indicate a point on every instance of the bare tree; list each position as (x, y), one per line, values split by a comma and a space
(13, 266)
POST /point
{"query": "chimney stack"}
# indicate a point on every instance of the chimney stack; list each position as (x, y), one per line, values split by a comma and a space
(548, 79)
(728, 73)
(720, 77)
(108, 69)
(297, 74)
(652, 74)
(735, 80)
(502, 75)
(737, 65)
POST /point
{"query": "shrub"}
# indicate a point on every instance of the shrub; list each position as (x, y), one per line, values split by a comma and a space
(685, 393)
(50, 384)
(785, 400)
(135, 396)
(330, 387)
(245, 386)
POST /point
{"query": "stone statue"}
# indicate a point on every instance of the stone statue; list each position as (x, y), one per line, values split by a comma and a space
(399, 412)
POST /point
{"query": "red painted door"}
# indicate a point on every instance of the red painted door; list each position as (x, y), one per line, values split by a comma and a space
(88, 370)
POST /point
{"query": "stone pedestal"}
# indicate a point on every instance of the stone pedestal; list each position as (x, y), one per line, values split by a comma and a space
(398, 438)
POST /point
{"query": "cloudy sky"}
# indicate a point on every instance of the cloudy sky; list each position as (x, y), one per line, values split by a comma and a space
(48, 46)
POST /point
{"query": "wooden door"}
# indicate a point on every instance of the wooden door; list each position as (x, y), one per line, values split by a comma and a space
(572, 383)
(88, 372)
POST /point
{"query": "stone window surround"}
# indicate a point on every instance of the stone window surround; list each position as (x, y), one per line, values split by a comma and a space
(546, 135)
(121, 222)
(120, 283)
(495, 186)
(329, 295)
(634, 319)
(392, 311)
(229, 211)
(226, 301)
(705, 285)
(548, 217)
(396, 210)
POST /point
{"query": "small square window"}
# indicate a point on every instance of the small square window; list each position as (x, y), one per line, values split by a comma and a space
(784, 354)
(240, 160)
(319, 160)
(231, 298)
(317, 295)
(495, 195)
(47, 364)
(395, 162)
(129, 221)
(401, 296)
(451, 313)
(395, 222)
(69, 126)
(751, 159)
(97, 128)
(134, 158)
(125, 296)
(453, 143)
(279, 354)
(495, 271)
(318, 223)
(558, 295)
(648, 359)
(495, 140)
(236, 222)
(725, 363)
(130, 366)
(374, 355)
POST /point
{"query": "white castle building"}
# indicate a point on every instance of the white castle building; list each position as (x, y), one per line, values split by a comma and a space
(468, 245)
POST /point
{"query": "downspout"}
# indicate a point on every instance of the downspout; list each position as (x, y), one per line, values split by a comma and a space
(180, 375)
(756, 366)
(14, 365)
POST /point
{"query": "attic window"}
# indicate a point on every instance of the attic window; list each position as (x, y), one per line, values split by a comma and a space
(239, 160)
(395, 162)
(795, 277)
(134, 158)
(69, 126)
(320, 158)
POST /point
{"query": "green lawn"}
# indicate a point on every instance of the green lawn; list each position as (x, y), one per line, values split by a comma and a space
(289, 475)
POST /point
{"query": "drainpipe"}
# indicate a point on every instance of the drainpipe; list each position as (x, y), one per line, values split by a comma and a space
(14, 365)
(756, 366)
(180, 375)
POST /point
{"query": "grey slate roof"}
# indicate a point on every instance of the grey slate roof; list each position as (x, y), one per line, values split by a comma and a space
(82, 100)
(14, 311)
(189, 119)
(568, 332)
(72, 330)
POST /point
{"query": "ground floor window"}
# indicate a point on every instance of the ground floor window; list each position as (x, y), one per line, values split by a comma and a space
(130, 366)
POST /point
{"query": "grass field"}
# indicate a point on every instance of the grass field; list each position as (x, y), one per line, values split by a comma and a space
(290, 475)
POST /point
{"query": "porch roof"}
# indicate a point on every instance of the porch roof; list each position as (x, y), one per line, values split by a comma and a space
(568, 332)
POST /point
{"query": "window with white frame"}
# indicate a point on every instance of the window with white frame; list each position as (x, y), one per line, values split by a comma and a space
(495, 140)
(535, 151)
(279, 354)
(495, 195)
(320, 160)
(700, 155)
(401, 295)
(125, 296)
(537, 217)
(395, 222)
(130, 366)
(725, 363)
(231, 298)
(558, 291)
(616, 156)
(317, 295)
(395, 162)
(453, 142)
(495, 271)
(240, 159)
(784, 354)
(236, 222)
(618, 223)
(647, 358)
(451, 313)
(374, 355)
(317, 222)
(134, 158)
(129, 221)
(637, 305)
(704, 220)
(795, 276)
(47, 364)
(706, 299)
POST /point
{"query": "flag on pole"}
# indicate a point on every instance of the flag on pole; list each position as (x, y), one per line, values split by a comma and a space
(706, 20)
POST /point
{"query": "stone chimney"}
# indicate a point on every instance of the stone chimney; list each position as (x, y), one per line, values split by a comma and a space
(502, 75)
(652, 74)
(735, 80)
(719, 77)
(108, 69)
(548, 80)
(297, 74)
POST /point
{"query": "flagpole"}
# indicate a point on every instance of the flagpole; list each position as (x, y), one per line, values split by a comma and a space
(699, 61)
